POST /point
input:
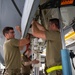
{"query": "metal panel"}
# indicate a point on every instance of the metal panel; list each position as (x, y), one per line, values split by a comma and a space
(30, 8)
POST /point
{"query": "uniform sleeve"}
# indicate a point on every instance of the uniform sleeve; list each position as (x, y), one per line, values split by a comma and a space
(51, 35)
(15, 42)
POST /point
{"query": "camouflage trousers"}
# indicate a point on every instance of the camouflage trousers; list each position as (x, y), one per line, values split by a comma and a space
(25, 74)
(12, 72)
(55, 73)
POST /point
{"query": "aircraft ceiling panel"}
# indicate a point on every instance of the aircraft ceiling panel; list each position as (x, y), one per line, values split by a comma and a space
(20, 5)
(30, 8)
(68, 14)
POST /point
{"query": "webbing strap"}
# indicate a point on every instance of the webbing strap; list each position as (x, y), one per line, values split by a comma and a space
(54, 68)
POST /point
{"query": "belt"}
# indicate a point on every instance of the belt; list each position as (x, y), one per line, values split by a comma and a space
(54, 68)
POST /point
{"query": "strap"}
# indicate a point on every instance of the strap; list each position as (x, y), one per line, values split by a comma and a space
(54, 68)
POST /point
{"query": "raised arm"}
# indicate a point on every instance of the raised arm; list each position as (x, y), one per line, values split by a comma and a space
(40, 27)
(37, 30)
(24, 41)
(18, 28)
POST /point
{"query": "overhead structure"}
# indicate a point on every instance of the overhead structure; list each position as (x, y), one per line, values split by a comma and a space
(30, 8)
(14, 3)
(57, 3)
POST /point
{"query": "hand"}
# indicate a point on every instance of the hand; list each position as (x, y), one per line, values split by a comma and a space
(27, 41)
(18, 28)
(33, 21)
(35, 61)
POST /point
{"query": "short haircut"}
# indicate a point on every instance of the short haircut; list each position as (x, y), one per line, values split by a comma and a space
(55, 21)
(6, 30)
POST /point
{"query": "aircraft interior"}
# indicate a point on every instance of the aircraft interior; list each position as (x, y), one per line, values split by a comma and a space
(21, 12)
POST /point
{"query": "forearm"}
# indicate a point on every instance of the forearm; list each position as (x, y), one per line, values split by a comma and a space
(31, 62)
(27, 63)
(40, 27)
(23, 42)
(35, 30)
(38, 33)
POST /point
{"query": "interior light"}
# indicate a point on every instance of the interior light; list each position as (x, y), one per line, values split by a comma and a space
(65, 2)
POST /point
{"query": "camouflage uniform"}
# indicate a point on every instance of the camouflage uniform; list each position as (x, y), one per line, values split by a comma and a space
(25, 70)
(12, 57)
(12, 72)
(54, 46)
